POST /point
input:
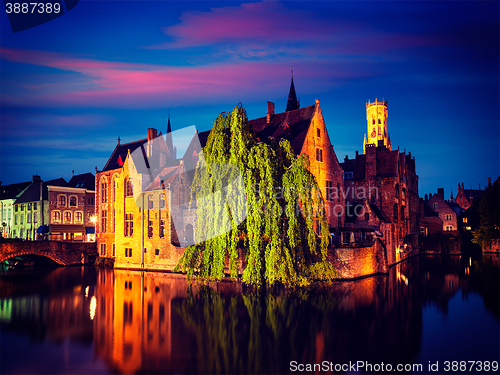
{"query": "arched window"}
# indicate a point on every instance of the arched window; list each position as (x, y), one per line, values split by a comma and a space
(78, 217)
(128, 188)
(61, 200)
(72, 201)
(67, 216)
(56, 216)
(104, 191)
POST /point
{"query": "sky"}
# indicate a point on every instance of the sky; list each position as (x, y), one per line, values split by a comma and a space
(70, 87)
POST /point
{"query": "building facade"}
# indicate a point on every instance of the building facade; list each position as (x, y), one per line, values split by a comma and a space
(381, 189)
(54, 210)
(8, 195)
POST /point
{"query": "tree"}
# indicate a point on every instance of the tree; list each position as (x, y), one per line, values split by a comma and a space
(489, 213)
(285, 233)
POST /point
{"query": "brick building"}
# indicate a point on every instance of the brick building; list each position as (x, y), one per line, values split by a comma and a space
(444, 210)
(381, 189)
(56, 210)
(8, 195)
(133, 209)
(306, 130)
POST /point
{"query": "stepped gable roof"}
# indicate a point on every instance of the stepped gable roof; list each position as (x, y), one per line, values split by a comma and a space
(32, 193)
(84, 181)
(120, 153)
(12, 190)
(428, 211)
(298, 122)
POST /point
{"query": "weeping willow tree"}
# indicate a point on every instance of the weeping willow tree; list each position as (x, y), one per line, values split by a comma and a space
(285, 233)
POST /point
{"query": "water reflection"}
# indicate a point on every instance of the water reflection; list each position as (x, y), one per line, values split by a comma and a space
(141, 322)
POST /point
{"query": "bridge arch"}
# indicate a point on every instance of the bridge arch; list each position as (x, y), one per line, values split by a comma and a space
(49, 255)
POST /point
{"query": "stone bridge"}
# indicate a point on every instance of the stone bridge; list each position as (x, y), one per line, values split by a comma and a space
(63, 253)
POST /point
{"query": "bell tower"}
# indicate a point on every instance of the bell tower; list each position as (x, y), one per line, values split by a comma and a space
(376, 118)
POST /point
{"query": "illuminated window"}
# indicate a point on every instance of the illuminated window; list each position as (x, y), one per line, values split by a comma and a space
(129, 225)
(329, 191)
(464, 220)
(104, 221)
(56, 218)
(449, 228)
(150, 229)
(78, 217)
(162, 229)
(104, 192)
(62, 200)
(128, 188)
(67, 216)
(319, 155)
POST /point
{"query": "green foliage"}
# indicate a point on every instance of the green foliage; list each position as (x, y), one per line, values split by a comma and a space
(284, 210)
(489, 212)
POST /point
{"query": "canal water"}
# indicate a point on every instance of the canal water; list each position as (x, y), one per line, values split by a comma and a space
(430, 314)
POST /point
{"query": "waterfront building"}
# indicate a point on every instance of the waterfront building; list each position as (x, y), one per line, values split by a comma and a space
(306, 131)
(8, 195)
(381, 192)
(134, 211)
(56, 210)
(444, 209)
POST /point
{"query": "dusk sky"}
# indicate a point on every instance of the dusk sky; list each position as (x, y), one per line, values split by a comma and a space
(69, 88)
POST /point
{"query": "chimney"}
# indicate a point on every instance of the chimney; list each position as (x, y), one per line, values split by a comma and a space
(426, 197)
(73, 173)
(270, 111)
(356, 154)
(462, 185)
(440, 193)
(346, 159)
(459, 186)
(36, 178)
(152, 133)
(489, 181)
(479, 186)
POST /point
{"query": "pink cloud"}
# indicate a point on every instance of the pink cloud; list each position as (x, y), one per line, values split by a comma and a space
(267, 27)
(117, 84)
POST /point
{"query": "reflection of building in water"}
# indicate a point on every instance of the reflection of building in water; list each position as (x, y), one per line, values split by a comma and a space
(134, 322)
(61, 311)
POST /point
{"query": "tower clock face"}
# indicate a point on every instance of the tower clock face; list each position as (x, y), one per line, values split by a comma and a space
(373, 134)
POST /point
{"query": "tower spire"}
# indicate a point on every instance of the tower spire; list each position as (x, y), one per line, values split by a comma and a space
(292, 103)
(169, 142)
